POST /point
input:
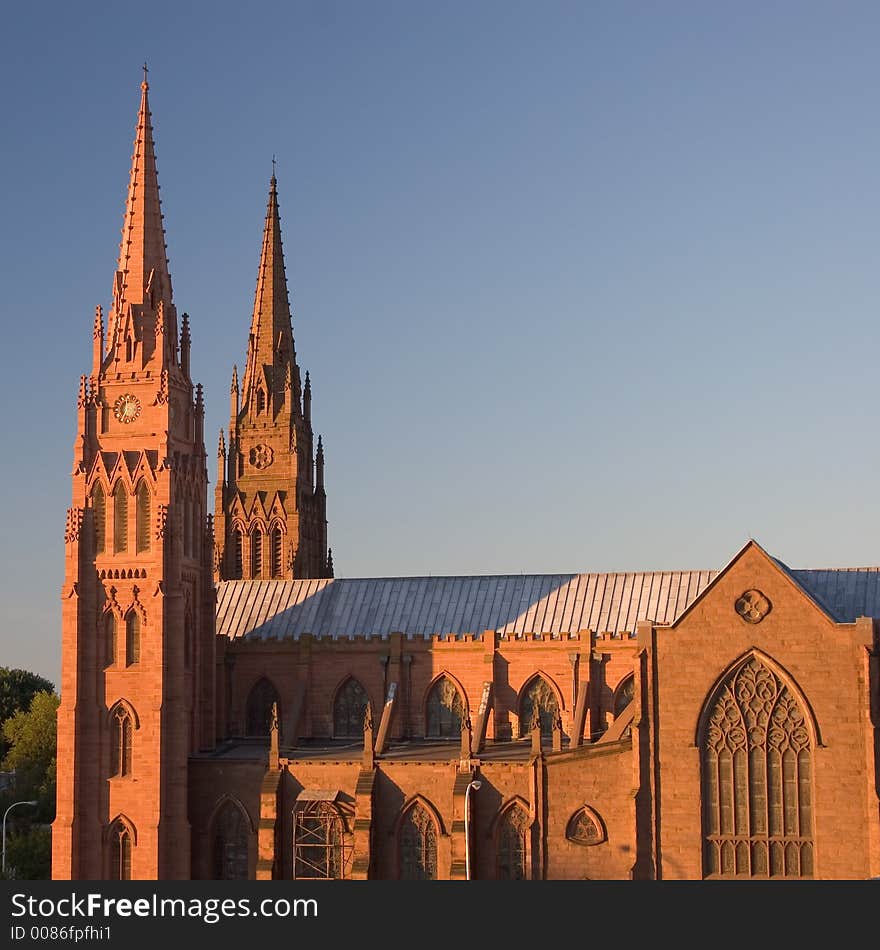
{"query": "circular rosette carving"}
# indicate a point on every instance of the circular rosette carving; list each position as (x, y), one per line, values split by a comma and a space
(261, 456)
(752, 606)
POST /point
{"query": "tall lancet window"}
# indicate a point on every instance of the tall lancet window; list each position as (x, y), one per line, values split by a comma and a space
(417, 843)
(110, 637)
(99, 507)
(120, 852)
(132, 638)
(276, 551)
(121, 737)
(142, 528)
(257, 553)
(757, 778)
(120, 518)
(237, 554)
(444, 709)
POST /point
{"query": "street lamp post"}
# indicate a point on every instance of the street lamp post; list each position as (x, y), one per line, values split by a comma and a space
(8, 810)
(467, 827)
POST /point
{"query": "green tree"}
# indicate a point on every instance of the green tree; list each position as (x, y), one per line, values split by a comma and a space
(30, 735)
(17, 689)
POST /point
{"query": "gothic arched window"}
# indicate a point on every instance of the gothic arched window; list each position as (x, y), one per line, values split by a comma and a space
(757, 778)
(230, 844)
(511, 848)
(142, 526)
(320, 849)
(120, 518)
(277, 562)
(539, 699)
(259, 707)
(237, 548)
(120, 851)
(132, 638)
(121, 739)
(444, 709)
(417, 844)
(110, 638)
(257, 553)
(99, 506)
(261, 400)
(349, 708)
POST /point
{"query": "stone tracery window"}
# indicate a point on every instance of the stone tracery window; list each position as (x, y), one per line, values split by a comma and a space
(585, 827)
(230, 844)
(539, 697)
(757, 781)
(417, 845)
(349, 708)
(444, 709)
(511, 847)
(320, 844)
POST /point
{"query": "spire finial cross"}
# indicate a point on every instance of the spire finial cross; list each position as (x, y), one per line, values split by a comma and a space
(145, 83)
(273, 166)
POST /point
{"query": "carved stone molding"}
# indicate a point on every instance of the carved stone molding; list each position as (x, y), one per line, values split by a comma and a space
(752, 606)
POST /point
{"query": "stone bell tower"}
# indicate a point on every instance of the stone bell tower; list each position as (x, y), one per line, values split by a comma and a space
(270, 508)
(137, 684)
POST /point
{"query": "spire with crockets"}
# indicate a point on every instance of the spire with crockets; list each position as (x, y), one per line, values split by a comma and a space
(270, 509)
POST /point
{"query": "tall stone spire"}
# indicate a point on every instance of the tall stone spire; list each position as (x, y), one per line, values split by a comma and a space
(269, 501)
(271, 355)
(142, 278)
(138, 640)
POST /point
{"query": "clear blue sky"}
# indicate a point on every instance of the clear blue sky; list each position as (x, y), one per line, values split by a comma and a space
(580, 286)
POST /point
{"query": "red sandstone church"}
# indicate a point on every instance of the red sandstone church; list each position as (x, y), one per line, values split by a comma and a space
(230, 710)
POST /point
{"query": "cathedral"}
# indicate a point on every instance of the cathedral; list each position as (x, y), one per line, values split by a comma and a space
(231, 710)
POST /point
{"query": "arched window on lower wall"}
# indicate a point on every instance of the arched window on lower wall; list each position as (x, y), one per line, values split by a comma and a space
(119, 845)
(757, 778)
(417, 845)
(511, 844)
(259, 708)
(230, 837)
(321, 846)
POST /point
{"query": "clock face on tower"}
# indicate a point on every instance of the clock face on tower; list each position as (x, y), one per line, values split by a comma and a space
(127, 408)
